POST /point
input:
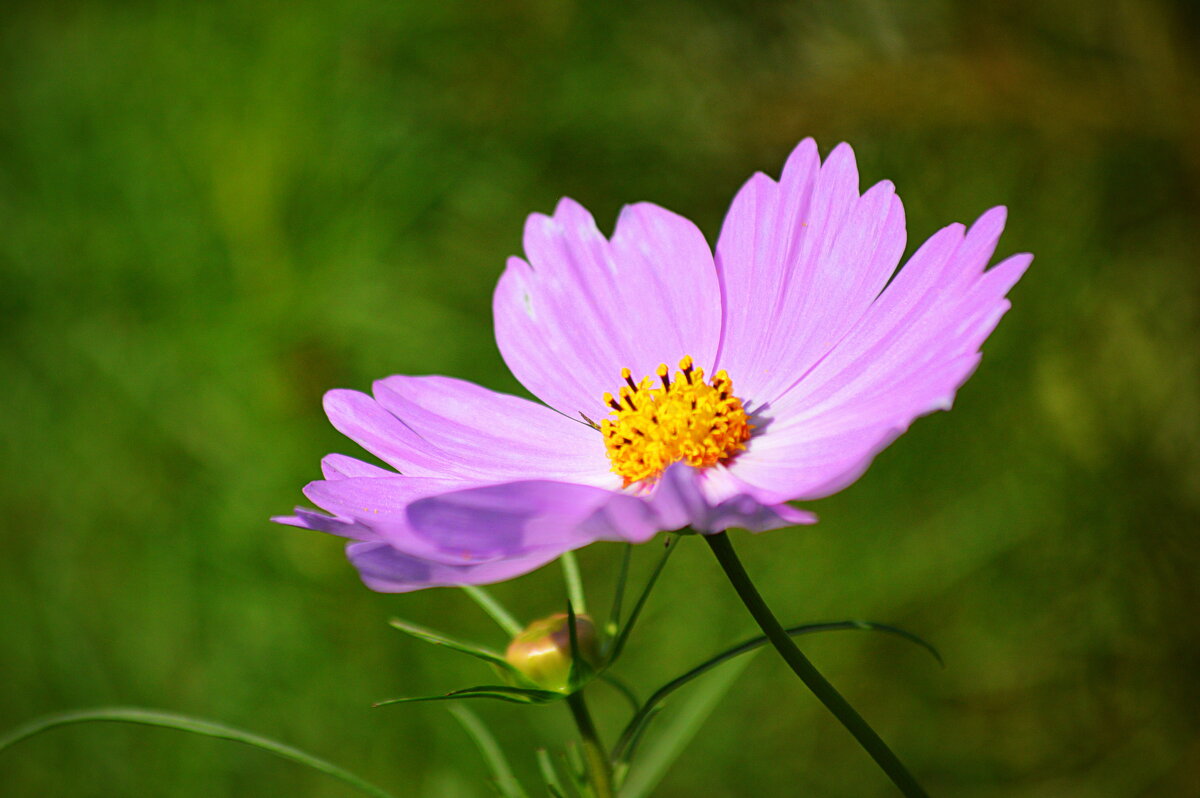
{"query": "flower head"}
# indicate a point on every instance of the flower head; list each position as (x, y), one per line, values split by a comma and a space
(820, 354)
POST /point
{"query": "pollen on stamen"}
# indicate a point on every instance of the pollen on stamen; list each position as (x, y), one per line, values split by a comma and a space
(685, 366)
(688, 419)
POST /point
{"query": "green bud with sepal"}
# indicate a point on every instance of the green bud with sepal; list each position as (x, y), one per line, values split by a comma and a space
(545, 653)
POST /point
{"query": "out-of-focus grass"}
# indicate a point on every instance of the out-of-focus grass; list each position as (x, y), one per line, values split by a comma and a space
(211, 213)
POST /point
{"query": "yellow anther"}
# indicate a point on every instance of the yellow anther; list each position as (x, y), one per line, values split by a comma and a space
(657, 424)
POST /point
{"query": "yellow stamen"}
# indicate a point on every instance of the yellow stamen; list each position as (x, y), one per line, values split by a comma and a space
(654, 424)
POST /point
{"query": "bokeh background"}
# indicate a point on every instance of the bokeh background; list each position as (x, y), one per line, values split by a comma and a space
(210, 213)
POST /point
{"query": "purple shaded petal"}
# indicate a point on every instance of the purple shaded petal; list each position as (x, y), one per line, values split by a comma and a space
(747, 512)
(381, 505)
(333, 525)
(509, 517)
(800, 261)
(504, 437)
(388, 570)
(908, 355)
(677, 500)
(680, 499)
(623, 517)
(496, 532)
(582, 308)
(415, 532)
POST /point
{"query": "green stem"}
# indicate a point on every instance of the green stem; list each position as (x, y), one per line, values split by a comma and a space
(614, 616)
(501, 616)
(574, 582)
(807, 672)
(149, 717)
(599, 768)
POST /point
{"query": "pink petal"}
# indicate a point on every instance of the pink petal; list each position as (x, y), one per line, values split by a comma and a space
(582, 308)
(502, 436)
(447, 428)
(339, 466)
(362, 420)
(906, 357)
(800, 261)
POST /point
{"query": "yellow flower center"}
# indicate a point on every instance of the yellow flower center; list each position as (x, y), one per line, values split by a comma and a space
(656, 423)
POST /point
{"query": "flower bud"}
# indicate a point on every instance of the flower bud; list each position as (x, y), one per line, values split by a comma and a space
(542, 652)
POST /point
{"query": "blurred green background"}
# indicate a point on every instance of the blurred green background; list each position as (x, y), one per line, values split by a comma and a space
(210, 213)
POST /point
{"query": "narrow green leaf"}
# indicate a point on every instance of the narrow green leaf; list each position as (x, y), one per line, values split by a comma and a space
(495, 609)
(502, 773)
(515, 695)
(439, 639)
(456, 697)
(622, 751)
(667, 746)
(619, 644)
(207, 728)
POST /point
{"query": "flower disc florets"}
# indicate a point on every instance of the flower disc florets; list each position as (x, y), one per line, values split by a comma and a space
(657, 423)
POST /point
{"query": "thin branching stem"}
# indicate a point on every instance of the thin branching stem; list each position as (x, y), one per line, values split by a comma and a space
(642, 713)
(812, 678)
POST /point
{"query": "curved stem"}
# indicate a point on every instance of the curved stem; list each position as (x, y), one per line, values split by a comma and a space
(623, 748)
(807, 672)
(625, 690)
(599, 768)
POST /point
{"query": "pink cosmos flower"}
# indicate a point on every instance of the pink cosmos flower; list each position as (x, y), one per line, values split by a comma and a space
(681, 389)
